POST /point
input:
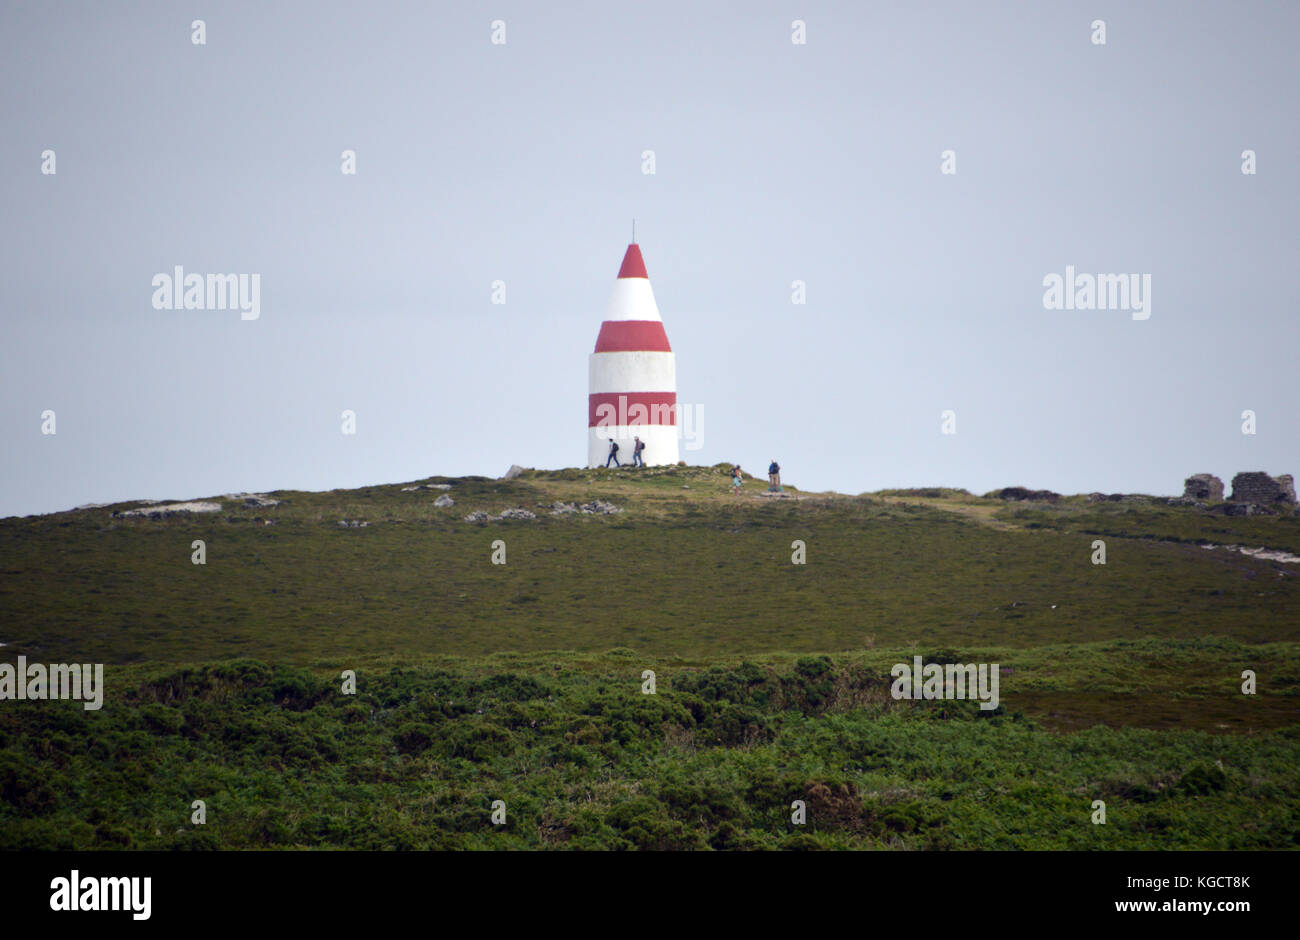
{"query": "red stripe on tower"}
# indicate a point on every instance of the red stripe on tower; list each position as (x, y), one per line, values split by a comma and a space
(632, 336)
(631, 409)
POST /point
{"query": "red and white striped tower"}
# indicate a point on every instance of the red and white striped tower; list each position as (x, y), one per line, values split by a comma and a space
(632, 375)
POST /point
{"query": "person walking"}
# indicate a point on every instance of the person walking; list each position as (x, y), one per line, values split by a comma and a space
(774, 477)
(735, 480)
(613, 454)
(638, 446)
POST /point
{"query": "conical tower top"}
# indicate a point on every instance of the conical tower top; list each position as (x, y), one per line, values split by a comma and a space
(633, 264)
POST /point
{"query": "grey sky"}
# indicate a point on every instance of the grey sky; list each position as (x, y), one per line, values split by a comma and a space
(522, 162)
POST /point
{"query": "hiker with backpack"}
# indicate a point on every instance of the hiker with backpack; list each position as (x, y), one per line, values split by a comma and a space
(774, 477)
(636, 452)
(613, 454)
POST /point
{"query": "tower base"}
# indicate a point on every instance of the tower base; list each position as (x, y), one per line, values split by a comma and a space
(660, 444)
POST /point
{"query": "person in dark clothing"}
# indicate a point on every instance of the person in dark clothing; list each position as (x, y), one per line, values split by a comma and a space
(613, 454)
(636, 452)
(774, 477)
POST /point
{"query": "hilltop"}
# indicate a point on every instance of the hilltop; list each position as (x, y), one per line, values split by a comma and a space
(684, 569)
(523, 681)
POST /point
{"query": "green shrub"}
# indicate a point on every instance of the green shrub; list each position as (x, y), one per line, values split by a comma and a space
(1202, 780)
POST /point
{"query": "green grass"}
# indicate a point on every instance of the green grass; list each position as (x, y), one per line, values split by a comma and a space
(522, 681)
(583, 759)
(689, 572)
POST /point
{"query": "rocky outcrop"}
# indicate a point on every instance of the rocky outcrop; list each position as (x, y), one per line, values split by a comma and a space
(1020, 494)
(1241, 509)
(444, 501)
(168, 511)
(1118, 498)
(597, 507)
(253, 500)
(517, 514)
(1203, 486)
(481, 516)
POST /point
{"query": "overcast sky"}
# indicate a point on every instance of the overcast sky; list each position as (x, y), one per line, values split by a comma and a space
(774, 162)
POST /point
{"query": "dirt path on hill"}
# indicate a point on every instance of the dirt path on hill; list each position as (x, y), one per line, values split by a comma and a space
(977, 512)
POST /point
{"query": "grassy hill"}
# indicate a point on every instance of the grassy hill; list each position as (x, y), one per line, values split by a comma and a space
(523, 681)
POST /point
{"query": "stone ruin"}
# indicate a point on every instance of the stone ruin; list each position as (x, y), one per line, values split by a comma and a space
(1253, 494)
(1262, 489)
(1204, 486)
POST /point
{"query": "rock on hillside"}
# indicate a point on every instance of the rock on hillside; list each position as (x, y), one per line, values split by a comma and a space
(168, 510)
(1020, 494)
